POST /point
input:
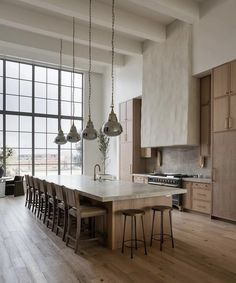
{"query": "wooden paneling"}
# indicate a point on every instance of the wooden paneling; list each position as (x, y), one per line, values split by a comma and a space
(220, 116)
(221, 80)
(224, 174)
(233, 77)
(129, 132)
(232, 117)
(126, 161)
(187, 198)
(205, 90)
(205, 130)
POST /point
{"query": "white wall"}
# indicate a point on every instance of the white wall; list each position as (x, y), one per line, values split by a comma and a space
(214, 40)
(91, 152)
(128, 84)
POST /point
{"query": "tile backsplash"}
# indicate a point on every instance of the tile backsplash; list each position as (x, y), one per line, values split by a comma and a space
(184, 160)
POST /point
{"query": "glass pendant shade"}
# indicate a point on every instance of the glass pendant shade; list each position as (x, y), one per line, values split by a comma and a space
(112, 127)
(73, 135)
(60, 138)
(89, 133)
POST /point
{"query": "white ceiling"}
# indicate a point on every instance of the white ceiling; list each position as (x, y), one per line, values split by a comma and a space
(48, 21)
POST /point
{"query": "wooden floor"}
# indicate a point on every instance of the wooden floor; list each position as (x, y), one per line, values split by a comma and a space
(29, 252)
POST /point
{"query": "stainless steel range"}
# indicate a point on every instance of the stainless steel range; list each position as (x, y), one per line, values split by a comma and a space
(170, 180)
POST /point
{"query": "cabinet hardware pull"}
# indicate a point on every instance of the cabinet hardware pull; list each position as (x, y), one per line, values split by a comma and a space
(230, 123)
(226, 123)
(213, 174)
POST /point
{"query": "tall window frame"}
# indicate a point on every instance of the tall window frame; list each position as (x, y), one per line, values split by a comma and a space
(65, 159)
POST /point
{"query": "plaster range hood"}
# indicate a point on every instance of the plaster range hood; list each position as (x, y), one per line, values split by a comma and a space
(170, 104)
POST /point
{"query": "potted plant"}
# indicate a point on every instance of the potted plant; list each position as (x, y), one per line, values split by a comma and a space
(103, 146)
(8, 153)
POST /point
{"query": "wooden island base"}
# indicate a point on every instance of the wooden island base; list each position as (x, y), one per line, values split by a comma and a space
(115, 219)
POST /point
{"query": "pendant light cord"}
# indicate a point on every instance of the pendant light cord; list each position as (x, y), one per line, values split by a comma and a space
(73, 74)
(60, 66)
(90, 57)
(112, 54)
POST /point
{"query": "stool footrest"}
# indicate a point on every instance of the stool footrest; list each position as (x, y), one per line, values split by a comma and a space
(165, 237)
(133, 240)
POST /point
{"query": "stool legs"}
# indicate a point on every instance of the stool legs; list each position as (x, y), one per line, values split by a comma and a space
(171, 232)
(144, 240)
(161, 240)
(132, 230)
(153, 221)
(135, 229)
(123, 242)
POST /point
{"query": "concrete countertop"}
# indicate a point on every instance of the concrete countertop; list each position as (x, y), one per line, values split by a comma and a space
(105, 191)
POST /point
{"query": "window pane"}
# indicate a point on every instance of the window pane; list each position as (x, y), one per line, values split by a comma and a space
(14, 158)
(12, 139)
(65, 108)
(52, 107)
(40, 156)
(12, 103)
(40, 90)
(12, 123)
(40, 124)
(25, 104)
(65, 93)
(40, 105)
(12, 170)
(26, 140)
(78, 95)
(40, 74)
(1, 121)
(12, 86)
(1, 102)
(26, 88)
(40, 170)
(65, 157)
(40, 140)
(1, 85)
(52, 169)
(78, 124)
(52, 76)
(50, 141)
(66, 78)
(52, 92)
(78, 80)
(25, 124)
(1, 68)
(25, 156)
(77, 157)
(52, 156)
(12, 69)
(26, 169)
(78, 109)
(52, 126)
(1, 139)
(26, 71)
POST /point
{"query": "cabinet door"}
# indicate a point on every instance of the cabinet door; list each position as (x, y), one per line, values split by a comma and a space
(129, 111)
(224, 177)
(221, 80)
(187, 198)
(129, 125)
(232, 116)
(205, 130)
(221, 114)
(233, 77)
(123, 136)
(126, 161)
(123, 111)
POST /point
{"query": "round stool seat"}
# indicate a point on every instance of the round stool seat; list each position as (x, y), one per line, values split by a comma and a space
(133, 212)
(161, 207)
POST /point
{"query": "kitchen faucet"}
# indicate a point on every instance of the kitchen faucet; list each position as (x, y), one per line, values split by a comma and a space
(94, 171)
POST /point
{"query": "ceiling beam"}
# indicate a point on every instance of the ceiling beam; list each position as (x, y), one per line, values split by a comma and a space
(58, 27)
(126, 22)
(46, 44)
(184, 10)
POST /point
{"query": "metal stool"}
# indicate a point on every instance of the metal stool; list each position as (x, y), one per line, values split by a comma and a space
(133, 240)
(161, 208)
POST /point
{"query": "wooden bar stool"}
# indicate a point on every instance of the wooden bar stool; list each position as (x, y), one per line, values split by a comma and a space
(133, 240)
(42, 198)
(161, 209)
(51, 204)
(79, 212)
(28, 195)
(35, 194)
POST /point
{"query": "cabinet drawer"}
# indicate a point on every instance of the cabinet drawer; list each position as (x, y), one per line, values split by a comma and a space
(201, 206)
(139, 179)
(202, 194)
(201, 186)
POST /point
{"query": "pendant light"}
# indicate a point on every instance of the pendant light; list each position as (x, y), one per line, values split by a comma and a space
(112, 127)
(73, 135)
(89, 133)
(60, 138)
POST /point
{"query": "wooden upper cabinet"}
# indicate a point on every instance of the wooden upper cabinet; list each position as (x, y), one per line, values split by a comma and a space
(232, 113)
(221, 80)
(220, 114)
(233, 77)
(129, 125)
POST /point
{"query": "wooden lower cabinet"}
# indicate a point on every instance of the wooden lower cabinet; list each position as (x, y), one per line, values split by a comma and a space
(198, 197)
(224, 175)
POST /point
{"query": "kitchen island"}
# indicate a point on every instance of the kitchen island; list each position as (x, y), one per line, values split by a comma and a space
(116, 196)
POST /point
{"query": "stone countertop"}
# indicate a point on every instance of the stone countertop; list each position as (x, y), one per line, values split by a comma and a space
(105, 191)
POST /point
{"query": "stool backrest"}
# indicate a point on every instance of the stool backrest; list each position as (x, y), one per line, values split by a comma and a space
(77, 198)
(60, 195)
(31, 182)
(35, 183)
(50, 189)
(27, 181)
(41, 184)
(70, 197)
(18, 178)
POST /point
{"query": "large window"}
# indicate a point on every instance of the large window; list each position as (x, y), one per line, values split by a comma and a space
(33, 100)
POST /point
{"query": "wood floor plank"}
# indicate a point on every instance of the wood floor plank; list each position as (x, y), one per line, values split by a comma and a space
(205, 251)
